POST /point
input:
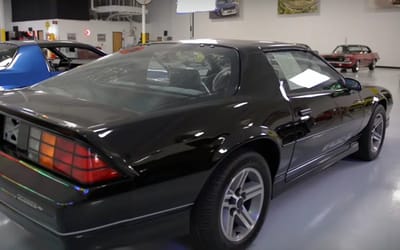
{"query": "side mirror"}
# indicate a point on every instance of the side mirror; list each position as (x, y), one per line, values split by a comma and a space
(352, 84)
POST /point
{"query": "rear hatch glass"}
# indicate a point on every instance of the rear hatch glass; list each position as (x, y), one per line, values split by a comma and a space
(7, 52)
(150, 78)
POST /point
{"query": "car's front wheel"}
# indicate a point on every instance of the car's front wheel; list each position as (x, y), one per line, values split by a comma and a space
(356, 67)
(231, 209)
(372, 65)
(371, 140)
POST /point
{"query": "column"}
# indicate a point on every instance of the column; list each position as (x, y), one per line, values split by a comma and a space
(2, 22)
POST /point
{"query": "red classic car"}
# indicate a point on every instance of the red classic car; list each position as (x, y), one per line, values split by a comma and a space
(352, 57)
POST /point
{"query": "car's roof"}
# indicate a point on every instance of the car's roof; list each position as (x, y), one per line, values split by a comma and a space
(244, 44)
(47, 43)
(352, 45)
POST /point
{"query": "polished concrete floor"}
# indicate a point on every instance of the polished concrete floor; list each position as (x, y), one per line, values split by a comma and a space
(351, 206)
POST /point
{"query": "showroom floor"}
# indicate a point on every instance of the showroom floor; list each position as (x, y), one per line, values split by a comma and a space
(353, 205)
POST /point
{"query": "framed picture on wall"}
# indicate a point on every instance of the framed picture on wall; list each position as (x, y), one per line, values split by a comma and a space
(71, 36)
(225, 8)
(101, 37)
(288, 7)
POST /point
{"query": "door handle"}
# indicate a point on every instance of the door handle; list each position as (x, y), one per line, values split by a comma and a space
(305, 112)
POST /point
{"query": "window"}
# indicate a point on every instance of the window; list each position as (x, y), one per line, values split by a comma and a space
(78, 53)
(65, 58)
(7, 52)
(340, 50)
(366, 50)
(301, 72)
(352, 49)
(152, 77)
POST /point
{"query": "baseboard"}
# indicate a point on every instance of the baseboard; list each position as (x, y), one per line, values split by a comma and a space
(388, 67)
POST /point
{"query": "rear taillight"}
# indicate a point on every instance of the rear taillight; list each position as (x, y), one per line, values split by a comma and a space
(68, 158)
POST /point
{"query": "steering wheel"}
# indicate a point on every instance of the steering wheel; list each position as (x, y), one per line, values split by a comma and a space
(221, 79)
(64, 63)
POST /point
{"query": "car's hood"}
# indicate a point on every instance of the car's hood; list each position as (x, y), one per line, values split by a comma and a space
(60, 110)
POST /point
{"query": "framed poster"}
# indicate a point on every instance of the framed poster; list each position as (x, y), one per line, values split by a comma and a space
(225, 8)
(287, 7)
(101, 37)
(71, 36)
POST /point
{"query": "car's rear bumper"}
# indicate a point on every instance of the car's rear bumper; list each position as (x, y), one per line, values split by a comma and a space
(171, 226)
(67, 210)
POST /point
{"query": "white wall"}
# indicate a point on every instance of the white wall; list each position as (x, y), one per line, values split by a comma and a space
(99, 27)
(7, 14)
(162, 16)
(78, 27)
(354, 21)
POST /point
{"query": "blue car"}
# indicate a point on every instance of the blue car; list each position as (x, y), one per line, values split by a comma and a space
(26, 63)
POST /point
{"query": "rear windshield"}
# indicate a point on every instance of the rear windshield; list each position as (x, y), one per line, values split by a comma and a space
(151, 77)
(7, 52)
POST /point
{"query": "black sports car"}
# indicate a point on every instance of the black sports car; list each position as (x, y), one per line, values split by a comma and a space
(209, 128)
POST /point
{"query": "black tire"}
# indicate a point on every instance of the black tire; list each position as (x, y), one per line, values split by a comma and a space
(372, 65)
(369, 146)
(356, 67)
(207, 225)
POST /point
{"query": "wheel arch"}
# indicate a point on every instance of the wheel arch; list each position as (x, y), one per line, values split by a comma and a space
(269, 150)
(383, 103)
(264, 146)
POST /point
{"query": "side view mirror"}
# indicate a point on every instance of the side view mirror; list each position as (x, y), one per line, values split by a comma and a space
(352, 84)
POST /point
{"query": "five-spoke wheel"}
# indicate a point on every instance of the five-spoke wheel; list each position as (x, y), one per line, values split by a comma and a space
(371, 140)
(242, 204)
(231, 208)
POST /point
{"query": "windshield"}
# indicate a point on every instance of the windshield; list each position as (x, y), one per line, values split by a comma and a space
(347, 50)
(7, 52)
(151, 77)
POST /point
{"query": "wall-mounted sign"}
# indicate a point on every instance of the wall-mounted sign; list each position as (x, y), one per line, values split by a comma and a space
(71, 36)
(101, 37)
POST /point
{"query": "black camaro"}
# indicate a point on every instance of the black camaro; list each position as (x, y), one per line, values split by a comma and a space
(209, 128)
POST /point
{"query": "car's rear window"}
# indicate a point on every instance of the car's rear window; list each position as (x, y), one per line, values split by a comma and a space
(7, 52)
(149, 77)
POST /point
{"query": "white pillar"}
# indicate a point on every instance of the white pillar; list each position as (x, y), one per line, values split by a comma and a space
(2, 22)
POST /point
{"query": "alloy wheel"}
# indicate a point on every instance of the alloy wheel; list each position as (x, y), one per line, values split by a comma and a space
(377, 133)
(242, 204)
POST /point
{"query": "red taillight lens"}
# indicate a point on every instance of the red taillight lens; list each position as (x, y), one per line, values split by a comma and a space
(68, 158)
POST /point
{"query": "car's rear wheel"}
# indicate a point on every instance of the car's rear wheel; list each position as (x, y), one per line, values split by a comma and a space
(372, 137)
(356, 67)
(231, 209)
(372, 65)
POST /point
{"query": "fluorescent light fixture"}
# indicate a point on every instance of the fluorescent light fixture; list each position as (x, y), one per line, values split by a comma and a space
(191, 6)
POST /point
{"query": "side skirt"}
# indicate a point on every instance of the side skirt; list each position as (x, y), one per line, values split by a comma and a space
(281, 184)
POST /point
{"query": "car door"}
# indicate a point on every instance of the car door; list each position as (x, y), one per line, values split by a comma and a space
(320, 104)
